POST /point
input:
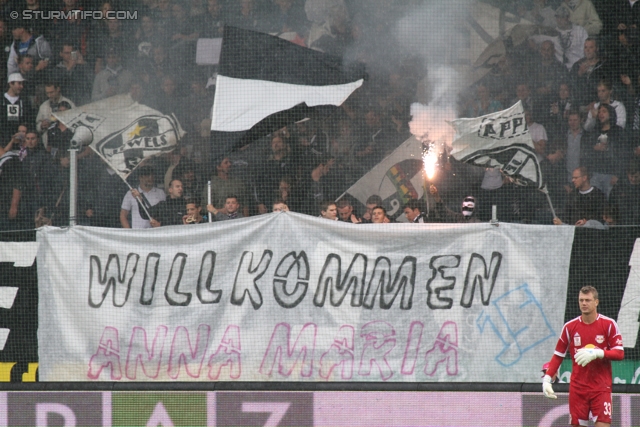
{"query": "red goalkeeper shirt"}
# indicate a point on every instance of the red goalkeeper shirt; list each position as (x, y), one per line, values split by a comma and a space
(602, 334)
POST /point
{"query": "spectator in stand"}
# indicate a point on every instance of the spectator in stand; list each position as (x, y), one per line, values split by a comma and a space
(379, 215)
(27, 44)
(213, 25)
(415, 210)
(376, 140)
(582, 12)
(43, 119)
(147, 193)
(541, 13)
(199, 102)
(70, 30)
(159, 65)
(604, 97)
(4, 49)
(223, 184)
(231, 209)
(100, 45)
(569, 45)
(288, 194)
(633, 94)
(346, 213)
(288, 16)
(586, 73)
(191, 184)
(73, 75)
(183, 30)
(574, 148)
(467, 209)
(280, 206)
(169, 211)
(41, 186)
(148, 34)
(246, 16)
(309, 140)
(606, 150)
(625, 54)
(523, 94)
(25, 68)
(194, 213)
(16, 140)
(59, 139)
(113, 80)
(14, 109)
(11, 188)
(329, 210)
(39, 26)
(624, 15)
(270, 172)
(372, 201)
(537, 131)
(167, 99)
(548, 73)
(585, 204)
(625, 196)
(314, 185)
(106, 198)
(560, 106)
(483, 103)
(496, 189)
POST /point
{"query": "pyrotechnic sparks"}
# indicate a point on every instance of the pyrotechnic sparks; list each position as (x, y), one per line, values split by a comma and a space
(429, 160)
(429, 126)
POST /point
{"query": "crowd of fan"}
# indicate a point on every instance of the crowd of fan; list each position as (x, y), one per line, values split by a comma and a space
(578, 79)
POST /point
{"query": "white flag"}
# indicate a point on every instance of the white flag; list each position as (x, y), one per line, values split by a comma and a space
(499, 140)
(396, 179)
(124, 131)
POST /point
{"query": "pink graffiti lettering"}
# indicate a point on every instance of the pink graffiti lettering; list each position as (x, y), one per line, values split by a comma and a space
(413, 348)
(139, 352)
(191, 359)
(444, 350)
(107, 356)
(228, 354)
(379, 341)
(340, 353)
(280, 351)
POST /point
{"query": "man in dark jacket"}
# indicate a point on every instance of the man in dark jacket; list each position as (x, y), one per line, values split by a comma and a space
(169, 211)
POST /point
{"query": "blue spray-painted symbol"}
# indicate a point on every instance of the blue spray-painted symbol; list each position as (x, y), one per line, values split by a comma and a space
(518, 320)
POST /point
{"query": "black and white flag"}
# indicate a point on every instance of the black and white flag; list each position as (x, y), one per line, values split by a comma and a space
(499, 140)
(265, 83)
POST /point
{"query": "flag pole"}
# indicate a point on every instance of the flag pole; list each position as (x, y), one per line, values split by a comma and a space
(139, 199)
(209, 199)
(546, 193)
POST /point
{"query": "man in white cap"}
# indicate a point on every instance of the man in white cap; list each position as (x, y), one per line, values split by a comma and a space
(444, 214)
(14, 109)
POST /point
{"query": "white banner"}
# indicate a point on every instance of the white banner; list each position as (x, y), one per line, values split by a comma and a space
(257, 299)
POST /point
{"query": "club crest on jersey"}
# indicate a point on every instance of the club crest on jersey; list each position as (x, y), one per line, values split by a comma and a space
(576, 340)
(599, 339)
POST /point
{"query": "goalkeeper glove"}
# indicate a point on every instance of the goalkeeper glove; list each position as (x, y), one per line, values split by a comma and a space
(547, 389)
(586, 355)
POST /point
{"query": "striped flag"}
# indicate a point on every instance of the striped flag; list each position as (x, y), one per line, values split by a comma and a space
(265, 83)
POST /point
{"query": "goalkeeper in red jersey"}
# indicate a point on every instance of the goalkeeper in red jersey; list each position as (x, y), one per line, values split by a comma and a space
(593, 341)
